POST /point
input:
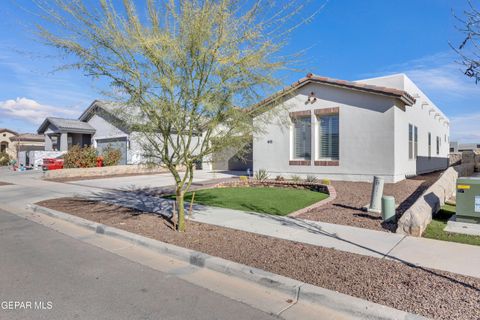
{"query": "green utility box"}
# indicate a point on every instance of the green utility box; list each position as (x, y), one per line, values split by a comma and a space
(468, 200)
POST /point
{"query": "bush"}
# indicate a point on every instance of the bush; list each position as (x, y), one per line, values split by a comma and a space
(243, 179)
(326, 182)
(111, 157)
(261, 175)
(310, 178)
(78, 157)
(4, 159)
(279, 178)
(295, 178)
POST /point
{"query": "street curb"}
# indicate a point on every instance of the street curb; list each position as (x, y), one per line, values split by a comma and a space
(301, 291)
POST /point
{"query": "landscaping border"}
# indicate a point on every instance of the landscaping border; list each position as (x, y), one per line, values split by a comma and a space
(352, 306)
(332, 194)
(313, 186)
(96, 172)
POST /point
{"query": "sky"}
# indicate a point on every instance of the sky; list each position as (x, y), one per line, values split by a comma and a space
(348, 39)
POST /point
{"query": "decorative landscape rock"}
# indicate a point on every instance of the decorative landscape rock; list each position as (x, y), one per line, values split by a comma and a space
(416, 219)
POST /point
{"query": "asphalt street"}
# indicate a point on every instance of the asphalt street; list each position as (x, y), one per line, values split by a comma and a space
(47, 275)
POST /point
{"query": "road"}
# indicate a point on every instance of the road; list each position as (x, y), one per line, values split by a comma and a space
(74, 280)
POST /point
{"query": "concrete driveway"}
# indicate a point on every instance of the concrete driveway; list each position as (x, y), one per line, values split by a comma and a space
(148, 181)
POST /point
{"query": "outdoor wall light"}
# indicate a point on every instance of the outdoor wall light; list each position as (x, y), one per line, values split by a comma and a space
(312, 98)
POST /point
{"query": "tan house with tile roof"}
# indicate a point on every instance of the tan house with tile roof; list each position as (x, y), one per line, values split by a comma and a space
(5, 144)
(12, 142)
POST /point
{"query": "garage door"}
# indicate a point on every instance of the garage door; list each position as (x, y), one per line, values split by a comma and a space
(115, 143)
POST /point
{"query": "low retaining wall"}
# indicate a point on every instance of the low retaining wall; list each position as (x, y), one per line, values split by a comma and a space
(416, 219)
(454, 159)
(102, 171)
(314, 186)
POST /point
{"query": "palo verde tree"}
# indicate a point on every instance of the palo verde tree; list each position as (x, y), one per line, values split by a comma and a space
(469, 49)
(183, 70)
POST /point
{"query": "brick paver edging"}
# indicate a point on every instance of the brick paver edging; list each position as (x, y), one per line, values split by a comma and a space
(332, 195)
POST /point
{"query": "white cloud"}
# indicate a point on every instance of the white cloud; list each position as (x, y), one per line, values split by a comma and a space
(31, 111)
(436, 73)
(465, 128)
(441, 77)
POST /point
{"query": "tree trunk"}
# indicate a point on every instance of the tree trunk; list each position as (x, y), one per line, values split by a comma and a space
(180, 194)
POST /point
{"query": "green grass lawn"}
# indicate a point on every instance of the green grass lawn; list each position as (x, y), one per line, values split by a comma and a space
(276, 201)
(439, 222)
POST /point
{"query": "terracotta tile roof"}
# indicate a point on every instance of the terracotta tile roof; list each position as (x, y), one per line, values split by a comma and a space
(7, 130)
(403, 96)
(28, 137)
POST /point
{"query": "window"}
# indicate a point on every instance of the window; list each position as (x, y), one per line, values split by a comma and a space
(415, 142)
(438, 145)
(410, 141)
(328, 137)
(429, 145)
(302, 137)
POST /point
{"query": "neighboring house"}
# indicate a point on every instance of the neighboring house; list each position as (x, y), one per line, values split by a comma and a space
(18, 145)
(351, 130)
(5, 143)
(101, 126)
(460, 147)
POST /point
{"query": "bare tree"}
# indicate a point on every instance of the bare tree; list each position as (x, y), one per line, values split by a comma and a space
(185, 70)
(469, 49)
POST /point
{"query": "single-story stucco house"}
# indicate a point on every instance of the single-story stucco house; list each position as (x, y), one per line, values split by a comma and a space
(17, 145)
(100, 127)
(351, 131)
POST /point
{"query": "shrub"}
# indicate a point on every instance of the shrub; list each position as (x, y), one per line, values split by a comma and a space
(111, 157)
(326, 182)
(295, 178)
(261, 175)
(78, 157)
(279, 178)
(311, 178)
(243, 179)
(4, 159)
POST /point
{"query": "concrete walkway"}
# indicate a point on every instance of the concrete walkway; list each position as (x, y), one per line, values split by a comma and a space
(440, 255)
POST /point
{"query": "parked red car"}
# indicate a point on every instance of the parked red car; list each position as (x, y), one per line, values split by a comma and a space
(52, 164)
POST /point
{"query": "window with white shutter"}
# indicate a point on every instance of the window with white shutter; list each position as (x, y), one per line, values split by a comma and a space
(302, 137)
(328, 137)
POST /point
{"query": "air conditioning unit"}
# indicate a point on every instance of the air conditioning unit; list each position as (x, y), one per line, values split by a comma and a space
(468, 200)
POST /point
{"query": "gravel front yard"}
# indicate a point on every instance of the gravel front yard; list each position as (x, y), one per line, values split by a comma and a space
(431, 293)
(346, 209)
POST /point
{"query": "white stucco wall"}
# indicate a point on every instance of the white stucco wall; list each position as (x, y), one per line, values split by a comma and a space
(366, 135)
(427, 117)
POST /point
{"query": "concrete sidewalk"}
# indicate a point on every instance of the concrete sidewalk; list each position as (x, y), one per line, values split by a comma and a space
(441, 255)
